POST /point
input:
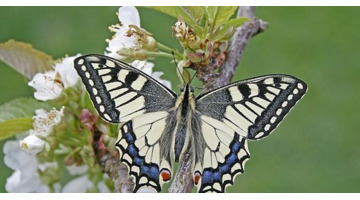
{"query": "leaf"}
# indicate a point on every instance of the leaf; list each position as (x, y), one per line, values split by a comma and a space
(11, 127)
(223, 32)
(190, 14)
(24, 58)
(21, 107)
(219, 15)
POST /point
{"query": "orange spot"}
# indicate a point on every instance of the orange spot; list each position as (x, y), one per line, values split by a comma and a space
(197, 177)
(165, 174)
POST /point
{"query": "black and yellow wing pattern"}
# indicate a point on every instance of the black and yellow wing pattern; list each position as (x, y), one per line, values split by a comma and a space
(231, 115)
(223, 120)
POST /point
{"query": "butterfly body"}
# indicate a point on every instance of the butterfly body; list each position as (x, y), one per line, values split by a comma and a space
(159, 126)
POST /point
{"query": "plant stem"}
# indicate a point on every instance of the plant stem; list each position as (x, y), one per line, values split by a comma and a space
(159, 54)
(168, 49)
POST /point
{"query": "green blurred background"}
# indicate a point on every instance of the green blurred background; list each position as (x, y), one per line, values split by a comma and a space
(316, 148)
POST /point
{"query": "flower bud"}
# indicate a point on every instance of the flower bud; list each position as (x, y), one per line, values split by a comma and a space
(32, 145)
(196, 56)
(179, 30)
(150, 43)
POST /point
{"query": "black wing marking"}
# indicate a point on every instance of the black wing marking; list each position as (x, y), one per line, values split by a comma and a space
(119, 91)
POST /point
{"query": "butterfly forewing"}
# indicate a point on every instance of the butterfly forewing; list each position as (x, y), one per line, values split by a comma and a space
(119, 91)
(253, 107)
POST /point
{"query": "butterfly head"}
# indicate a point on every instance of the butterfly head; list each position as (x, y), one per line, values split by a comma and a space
(187, 88)
(186, 97)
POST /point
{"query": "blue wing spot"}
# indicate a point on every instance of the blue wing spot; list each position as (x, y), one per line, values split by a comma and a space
(154, 173)
(235, 146)
(145, 169)
(132, 151)
(129, 138)
(224, 168)
(138, 161)
(216, 176)
(206, 178)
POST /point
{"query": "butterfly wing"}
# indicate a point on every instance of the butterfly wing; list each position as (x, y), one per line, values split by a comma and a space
(144, 146)
(220, 154)
(122, 93)
(230, 115)
(119, 91)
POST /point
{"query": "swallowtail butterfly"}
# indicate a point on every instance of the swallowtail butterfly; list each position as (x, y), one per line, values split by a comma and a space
(158, 125)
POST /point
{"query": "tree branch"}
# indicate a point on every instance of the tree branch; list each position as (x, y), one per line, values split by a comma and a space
(107, 159)
(183, 180)
(118, 173)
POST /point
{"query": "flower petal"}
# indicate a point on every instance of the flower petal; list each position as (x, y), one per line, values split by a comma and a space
(46, 86)
(77, 185)
(67, 71)
(32, 145)
(77, 170)
(129, 15)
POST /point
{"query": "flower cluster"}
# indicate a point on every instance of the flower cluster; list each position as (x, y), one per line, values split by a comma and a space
(70, 134)
(34, 155)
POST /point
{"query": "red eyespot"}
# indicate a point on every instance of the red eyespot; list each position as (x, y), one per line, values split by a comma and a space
(197, 177)
(165, 175)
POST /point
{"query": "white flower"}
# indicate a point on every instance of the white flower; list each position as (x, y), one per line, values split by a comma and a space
(157, 75)
(79, 184)
(50, 85)
(47, 86)
(25, 177)
(147, 67)
(45, 121)
(77, 170)
(32, 145)
(128, 15)
(67, 71)
(144, 66)
(130, 42)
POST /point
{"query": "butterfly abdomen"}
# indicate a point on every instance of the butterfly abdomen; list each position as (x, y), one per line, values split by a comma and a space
(185, 108)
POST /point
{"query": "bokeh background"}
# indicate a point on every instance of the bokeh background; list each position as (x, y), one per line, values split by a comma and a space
(315, 149)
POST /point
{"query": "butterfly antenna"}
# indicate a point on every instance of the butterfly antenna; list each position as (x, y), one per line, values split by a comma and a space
(192, 77)
(173, 54)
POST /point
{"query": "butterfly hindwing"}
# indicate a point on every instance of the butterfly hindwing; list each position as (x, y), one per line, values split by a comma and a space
(221, 154)
(143, 144)
(253, 107)
(119, 91)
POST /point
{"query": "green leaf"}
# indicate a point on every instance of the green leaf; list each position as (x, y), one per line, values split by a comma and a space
(190, 14)
(21, 107)
(218, 15)
(223, 32)
(14, 126)
(24, 58)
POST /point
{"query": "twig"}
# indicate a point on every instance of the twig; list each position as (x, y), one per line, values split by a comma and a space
(107, 159)
(183, 181)
(118, 172)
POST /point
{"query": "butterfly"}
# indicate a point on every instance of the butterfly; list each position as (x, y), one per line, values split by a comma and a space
(157, 125)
